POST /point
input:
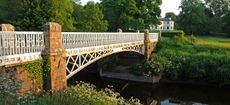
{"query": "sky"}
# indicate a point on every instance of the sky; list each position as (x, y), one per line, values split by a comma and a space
(167, 6)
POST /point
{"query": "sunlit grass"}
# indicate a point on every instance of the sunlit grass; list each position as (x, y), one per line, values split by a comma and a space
(214, 41)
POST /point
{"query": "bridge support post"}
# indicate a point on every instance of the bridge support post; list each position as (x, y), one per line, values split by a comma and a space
(6, 27)
(148, 46)
(55, 55)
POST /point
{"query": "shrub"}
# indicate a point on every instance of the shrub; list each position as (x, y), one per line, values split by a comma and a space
(170, 33)
(81, 94)
(193, 61)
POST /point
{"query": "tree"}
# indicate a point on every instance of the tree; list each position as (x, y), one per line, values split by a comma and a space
(226, 23)
(9, 10)
(131, 14)
(171, 15)
(220, 11)
(218, 7)
(121, 14)
(33, 14)
(192, 18)
(89, 18)
(150, 11)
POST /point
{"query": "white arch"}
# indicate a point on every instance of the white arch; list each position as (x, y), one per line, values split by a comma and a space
(80, 60)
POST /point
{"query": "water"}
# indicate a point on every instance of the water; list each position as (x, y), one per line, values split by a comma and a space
(162, 93)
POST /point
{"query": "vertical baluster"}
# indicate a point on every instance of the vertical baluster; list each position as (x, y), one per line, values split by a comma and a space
(8, 42)
(1, 44)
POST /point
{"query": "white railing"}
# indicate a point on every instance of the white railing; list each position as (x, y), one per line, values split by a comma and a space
(14, 43)
(78, 40)
(16, 47)
(153, 36)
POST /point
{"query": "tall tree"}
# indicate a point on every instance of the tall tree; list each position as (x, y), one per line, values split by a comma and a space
(220, 11)
(33, 14)
(150, 11)
(192, 18)
(226, 23)
(131, 14)
(171, 15)
(218, 7)
(121, 14)
(89, 18)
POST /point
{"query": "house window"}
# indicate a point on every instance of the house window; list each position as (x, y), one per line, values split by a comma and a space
(167, 27)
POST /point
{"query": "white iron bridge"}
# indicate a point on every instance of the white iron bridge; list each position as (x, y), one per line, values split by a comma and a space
(82, 49)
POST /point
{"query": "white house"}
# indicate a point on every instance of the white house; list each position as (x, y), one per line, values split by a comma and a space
(165, 24)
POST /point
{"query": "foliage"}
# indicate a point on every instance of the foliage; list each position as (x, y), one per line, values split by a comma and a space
(196, 61)
(192, 18)
(226, 23)
(40, 69)
(89, 18)
(131, 14)
(171, 15)
(35, 68)
(33, 14)
(150, 11)
(151, 68)
(120, 14)
(170, 33)
(218, 7)
(81, 94)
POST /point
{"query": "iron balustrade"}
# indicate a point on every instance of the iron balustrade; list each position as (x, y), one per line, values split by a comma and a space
(14, 43)
(153, 36)
(16, 47)
(81, 39)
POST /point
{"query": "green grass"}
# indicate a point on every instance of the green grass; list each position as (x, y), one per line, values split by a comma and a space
(215, 39)
(189, 58)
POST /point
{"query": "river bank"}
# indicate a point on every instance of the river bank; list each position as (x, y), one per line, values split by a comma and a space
(163, 93)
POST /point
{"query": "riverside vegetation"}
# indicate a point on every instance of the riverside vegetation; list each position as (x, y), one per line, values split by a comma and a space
(203, 59)
(81, 94)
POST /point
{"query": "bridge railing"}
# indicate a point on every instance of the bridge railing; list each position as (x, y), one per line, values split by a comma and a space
(153, 36)
(14, 43)
(78, 39)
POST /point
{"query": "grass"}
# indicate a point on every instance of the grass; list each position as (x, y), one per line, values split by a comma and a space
(199, 59)
(214, 41)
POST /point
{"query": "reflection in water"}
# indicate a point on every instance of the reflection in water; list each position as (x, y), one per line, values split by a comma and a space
(162, 94)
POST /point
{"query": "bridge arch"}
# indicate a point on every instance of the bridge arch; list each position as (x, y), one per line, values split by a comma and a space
(77, 62)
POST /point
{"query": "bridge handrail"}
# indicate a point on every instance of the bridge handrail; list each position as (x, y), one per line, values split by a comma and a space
(20, 42)
(76, 39)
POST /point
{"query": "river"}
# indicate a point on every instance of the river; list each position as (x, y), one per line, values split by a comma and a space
(161, 93)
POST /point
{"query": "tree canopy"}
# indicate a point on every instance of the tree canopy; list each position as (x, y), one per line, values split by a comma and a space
(192, 18)
(33, 14)
(131, 14)
(89, 18)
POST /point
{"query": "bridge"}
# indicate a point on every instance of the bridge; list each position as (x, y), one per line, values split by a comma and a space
(68, 52)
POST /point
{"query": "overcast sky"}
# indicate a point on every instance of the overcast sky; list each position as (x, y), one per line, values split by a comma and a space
(167, 6)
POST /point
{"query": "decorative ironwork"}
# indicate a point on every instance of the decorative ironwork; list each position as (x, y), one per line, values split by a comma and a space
(82, 49)
(79, 40)
(16, 47)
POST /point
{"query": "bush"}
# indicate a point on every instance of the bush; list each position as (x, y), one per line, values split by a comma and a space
(81, 94)
(192, 61)
(170, 33)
